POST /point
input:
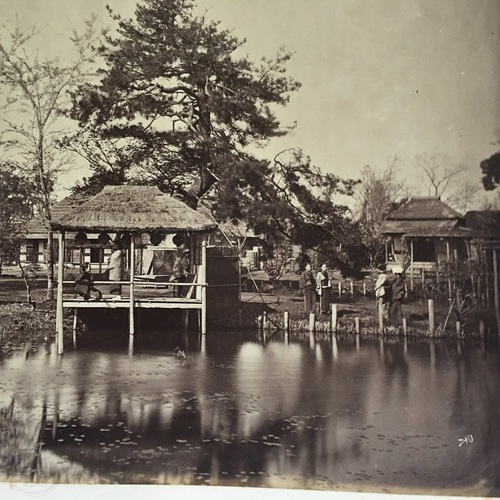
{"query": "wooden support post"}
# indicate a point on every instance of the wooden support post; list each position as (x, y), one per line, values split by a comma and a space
(495, 290)
(430, 305)
(75, 322)
(422, 277)
(411, 265)
(59, 311)
(352, 288)
(356, 325)
(203, 279)
(481, 329)
(458, 328)
(364, 289)
(334, 318)
(340, 289)
(131, 319)
(312, 323)
(264, 321)
(405, 327)
(286, 321)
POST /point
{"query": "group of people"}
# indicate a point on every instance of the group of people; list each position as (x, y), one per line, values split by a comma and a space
(316, 285)
(388, 293)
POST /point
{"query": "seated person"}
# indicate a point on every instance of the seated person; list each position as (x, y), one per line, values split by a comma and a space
(84, 284)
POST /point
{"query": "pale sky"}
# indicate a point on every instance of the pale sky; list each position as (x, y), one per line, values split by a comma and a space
(379, 77)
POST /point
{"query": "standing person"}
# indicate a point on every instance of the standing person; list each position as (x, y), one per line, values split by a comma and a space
(115, 267)
(308, 288)
(383, 293)
(180, 270)
(398, 294)
(323, 286)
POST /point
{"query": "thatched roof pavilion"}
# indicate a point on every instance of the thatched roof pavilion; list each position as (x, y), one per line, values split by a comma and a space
(134, 208)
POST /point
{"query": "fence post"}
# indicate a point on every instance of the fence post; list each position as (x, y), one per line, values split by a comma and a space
(340, 289)
(356, 324)
(334, 318)
(380, 317)
(364, 289)
(286, 321)
(312, 323)
(430, 305)
(352, 288)
(405, 327)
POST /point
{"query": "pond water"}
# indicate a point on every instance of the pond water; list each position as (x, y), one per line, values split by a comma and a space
(347, 413)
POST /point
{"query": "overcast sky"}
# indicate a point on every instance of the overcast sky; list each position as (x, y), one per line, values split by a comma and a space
(379, 77)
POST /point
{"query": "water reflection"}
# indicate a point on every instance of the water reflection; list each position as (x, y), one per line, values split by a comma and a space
(338, 413)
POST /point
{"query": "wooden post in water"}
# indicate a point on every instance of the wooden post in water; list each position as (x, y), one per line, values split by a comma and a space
(356, 325)
(430, 305)
(312, 323)
(405, 327)
(59, 311)
(286, 321)
(334, 318)
(380, 317)
(264, 321)
(131, 319)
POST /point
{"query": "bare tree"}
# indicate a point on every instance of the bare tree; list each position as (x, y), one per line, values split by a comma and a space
(37, 96)
(436, 173)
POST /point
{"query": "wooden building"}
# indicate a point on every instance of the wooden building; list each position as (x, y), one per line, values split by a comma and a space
(142, 217)
(423, 234)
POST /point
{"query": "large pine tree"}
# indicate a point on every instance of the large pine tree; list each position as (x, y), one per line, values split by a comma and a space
(175, 95)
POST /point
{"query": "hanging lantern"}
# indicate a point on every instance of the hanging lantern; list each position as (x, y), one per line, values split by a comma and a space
(125, 239)
(104, 238)
(156, 238)
(81, 238)
(178, 239)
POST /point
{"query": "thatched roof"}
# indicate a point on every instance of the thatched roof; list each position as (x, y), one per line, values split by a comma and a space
(36, 227)
(133, 208)
(485, 226)
(424, 208)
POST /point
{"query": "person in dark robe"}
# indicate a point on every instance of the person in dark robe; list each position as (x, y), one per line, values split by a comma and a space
(398, 294)
(308, 288)
(84, 284)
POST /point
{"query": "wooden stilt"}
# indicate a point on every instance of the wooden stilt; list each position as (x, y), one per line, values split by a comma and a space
(131, 285)
(59, 311)
(430, 305)
(203, 279)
